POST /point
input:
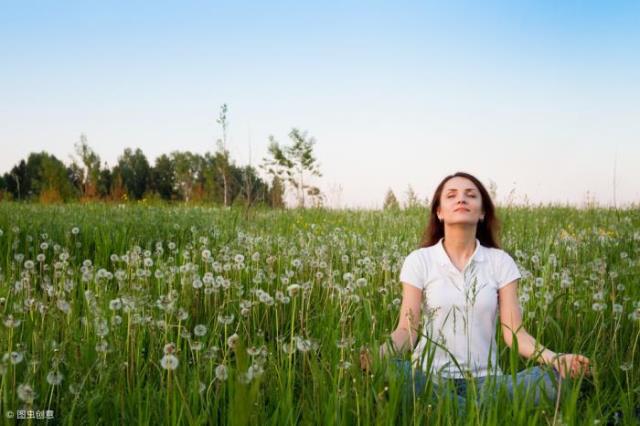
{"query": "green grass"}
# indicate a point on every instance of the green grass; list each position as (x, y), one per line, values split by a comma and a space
(285, 366)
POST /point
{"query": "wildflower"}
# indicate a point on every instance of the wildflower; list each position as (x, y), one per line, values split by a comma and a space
(255, 256)
(169, 362)
(40, 257)
(539, 282)
(102, 347)
(288, 348)
(75, 230)
(101, 326)
(361, 282)
(293, 289)
(345, 343)
(182, 314)
(169, 348)
(63, 305)
(14, 357)
(233, 340)
(303, 345)
(598, 307)
(221, 373)
(617, 308)
(54, 378)
(598, 296)
(627, 366)
(26, 393)
(115, 304)
(29, 265)
(200, 330)
(11, 322)
(253, 351)
(238, 258)
(226, 319)
(344, 365)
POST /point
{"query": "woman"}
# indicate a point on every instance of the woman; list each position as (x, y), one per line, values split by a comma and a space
(451, 283)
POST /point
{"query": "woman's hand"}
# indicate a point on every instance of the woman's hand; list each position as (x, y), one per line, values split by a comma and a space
(572, 365)
(366, 361)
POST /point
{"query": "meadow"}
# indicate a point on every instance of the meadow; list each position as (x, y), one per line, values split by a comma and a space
(135, 314)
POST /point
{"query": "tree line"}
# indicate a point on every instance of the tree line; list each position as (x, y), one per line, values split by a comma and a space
(177, 176)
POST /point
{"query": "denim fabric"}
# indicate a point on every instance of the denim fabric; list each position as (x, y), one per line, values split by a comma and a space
(531, 383)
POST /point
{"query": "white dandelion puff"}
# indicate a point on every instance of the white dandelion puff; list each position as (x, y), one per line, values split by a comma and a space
(200, 330)
(221, 372)
(54, 378)
(26, 393)
(169, 362)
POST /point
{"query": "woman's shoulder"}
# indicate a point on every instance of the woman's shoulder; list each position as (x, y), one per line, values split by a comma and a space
(422, 253)
(498, 255)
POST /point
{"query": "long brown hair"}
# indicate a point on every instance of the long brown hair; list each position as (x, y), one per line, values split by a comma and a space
(487, 229)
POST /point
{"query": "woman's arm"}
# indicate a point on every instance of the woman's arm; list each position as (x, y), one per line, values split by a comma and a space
(405, 335)
(528, 347)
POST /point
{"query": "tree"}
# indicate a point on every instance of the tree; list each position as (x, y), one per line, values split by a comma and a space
(222, 155)
(46, 178)
(390, 201)
(412, 198)
(187, 171)
(135, 172)
(493, 190)
(105, 182)
(163, 177)
(91, 162)
(17, 181)
(276, 193)
(294, 162)
(278, 166)
(301, 155)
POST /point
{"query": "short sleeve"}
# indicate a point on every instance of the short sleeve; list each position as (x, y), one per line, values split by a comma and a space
(413, 270)
(506, 270)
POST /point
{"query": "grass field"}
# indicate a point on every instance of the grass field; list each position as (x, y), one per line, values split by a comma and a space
(189, 315)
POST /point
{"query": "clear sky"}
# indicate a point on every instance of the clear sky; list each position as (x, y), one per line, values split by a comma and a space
(538, 96)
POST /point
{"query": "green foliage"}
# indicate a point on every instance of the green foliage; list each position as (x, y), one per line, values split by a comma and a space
(390, 201)
(292, 163)
(287, 299)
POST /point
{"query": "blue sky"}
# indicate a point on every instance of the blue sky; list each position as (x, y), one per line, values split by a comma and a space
(539, 97)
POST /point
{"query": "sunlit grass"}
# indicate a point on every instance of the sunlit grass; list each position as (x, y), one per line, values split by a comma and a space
(194, 315)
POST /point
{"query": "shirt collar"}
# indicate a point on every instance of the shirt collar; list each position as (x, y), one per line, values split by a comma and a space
(443, 257)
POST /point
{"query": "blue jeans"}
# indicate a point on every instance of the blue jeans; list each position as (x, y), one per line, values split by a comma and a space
(531, 383)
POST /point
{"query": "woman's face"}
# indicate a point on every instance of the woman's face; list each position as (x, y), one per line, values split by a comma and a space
(460, 202)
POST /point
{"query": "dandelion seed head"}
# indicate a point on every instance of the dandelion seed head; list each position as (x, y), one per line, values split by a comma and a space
(26, 393)
(200, 330)
(54, 378)
(221, 372)
(169, 362)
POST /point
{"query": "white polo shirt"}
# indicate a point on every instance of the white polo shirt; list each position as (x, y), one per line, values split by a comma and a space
(459, 308)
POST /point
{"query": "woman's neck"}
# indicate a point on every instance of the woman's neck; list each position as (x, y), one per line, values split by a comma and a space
(459, 241)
